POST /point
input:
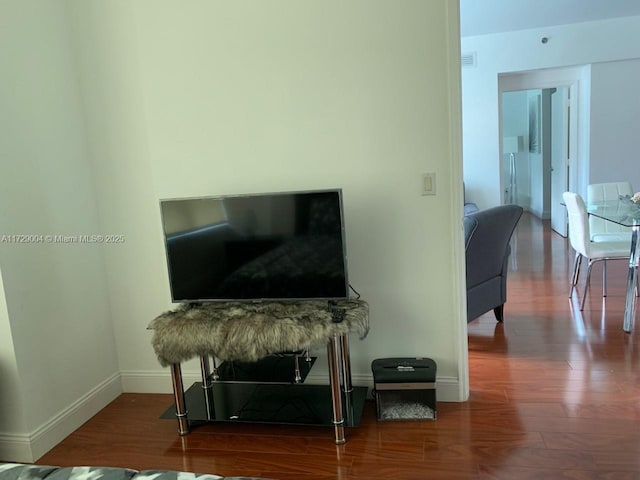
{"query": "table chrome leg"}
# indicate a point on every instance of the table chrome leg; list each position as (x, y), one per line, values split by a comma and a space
(334, 383)
(630, 301)
(178, 394)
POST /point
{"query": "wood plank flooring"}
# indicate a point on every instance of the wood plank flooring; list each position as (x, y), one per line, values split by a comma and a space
(554, 394)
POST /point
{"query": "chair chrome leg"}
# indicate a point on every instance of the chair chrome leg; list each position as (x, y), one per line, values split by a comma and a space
(576, 272)
(586, 285)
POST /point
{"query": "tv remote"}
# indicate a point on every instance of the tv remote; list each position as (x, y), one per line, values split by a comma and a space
(337, 314)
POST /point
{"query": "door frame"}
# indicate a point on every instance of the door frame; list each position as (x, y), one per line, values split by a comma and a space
(575, 78)
(567, 148)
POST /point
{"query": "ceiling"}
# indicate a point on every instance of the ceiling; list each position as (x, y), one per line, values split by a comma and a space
(480, 17)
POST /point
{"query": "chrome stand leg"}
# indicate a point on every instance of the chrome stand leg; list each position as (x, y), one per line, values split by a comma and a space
(205, 371)
(297, 378)
(346, 364)
(214, 375)
(207, 386)
(632, 279)
(346, 378)
(178, 394)
(334, 383)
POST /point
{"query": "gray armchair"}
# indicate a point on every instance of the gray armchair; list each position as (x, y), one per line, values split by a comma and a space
(487, 236)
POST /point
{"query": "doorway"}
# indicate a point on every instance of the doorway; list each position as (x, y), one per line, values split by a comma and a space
(538, 144)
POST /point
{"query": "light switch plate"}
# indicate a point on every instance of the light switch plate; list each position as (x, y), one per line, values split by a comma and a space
(428, 184)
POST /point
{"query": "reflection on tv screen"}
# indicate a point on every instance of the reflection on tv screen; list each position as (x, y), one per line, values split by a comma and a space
(253, 247)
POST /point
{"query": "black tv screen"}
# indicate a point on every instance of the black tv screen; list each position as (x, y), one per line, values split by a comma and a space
(276, 246)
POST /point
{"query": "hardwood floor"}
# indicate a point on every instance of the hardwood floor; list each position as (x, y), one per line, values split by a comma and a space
(554, 394)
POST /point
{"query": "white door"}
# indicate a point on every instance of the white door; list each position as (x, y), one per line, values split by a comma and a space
(560, 154)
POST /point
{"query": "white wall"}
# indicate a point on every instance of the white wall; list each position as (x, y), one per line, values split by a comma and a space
(13, 444)
(56, 294)
(522, 51)
(212, 97)
(109, 106)
(615, 115)
(106, 48)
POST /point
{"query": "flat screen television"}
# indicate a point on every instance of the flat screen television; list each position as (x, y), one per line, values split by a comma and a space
(268, 246)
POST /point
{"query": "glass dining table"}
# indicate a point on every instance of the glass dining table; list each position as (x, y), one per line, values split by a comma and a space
(626, 213)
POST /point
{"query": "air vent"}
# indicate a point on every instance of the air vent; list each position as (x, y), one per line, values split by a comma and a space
(468, 59)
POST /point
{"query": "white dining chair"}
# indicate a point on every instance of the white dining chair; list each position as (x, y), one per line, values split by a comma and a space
(580, 239)
(603, 230)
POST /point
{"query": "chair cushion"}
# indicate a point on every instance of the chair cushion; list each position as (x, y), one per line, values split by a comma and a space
(609, 249)
(612, 237)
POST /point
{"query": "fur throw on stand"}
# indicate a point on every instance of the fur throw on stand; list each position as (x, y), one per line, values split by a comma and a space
(250, 331)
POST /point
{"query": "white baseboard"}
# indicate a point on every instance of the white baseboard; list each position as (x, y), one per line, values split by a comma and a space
(155, 381)
(15, 448)
(27, 448)
(159, 381)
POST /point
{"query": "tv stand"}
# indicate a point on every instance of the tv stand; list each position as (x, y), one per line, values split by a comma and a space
(250, 332)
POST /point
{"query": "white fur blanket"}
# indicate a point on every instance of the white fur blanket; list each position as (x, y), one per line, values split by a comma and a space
(250, 331)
